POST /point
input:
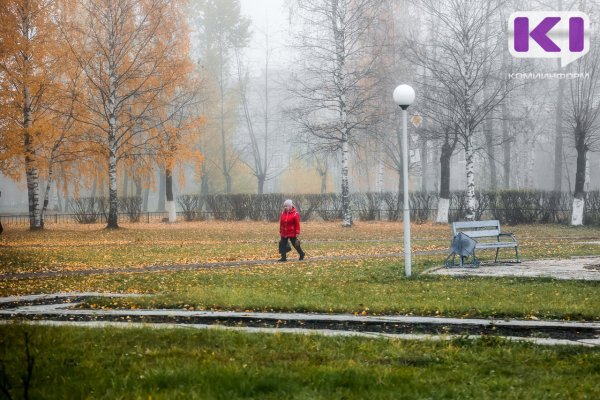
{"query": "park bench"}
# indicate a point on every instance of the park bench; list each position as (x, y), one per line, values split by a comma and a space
(480, 235)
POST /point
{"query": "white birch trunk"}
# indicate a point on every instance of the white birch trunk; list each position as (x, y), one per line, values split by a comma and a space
(113, 209)
(171, 209)
(530, 166)
(577, 216)
(112, 187)
(31, 170)
(380, 170)
(347, 213)
(33, 190)
(442, 211)
(469, 165)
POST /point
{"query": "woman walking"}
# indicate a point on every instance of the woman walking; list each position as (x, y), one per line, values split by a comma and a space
(289, 229)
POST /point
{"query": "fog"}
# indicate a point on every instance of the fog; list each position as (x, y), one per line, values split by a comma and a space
(296, 97)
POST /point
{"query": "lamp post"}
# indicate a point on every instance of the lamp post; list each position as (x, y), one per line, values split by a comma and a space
(404, 96)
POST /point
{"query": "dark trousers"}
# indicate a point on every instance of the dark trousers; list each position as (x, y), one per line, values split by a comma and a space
(283, 244)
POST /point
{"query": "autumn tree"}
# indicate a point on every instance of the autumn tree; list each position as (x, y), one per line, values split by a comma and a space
(32, 136)
(129, 52)
(220, 29)
(179, 127)
(334, 81)
(463, 65)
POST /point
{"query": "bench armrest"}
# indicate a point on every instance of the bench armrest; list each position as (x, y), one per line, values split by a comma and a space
(509, 235)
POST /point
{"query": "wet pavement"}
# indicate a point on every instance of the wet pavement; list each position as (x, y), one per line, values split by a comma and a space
(62, 309)
(59, 309)
(574, 268)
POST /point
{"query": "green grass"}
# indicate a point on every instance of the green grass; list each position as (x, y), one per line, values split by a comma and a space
(168, 363)
(372, 287)
(363, 285)
(135, 363)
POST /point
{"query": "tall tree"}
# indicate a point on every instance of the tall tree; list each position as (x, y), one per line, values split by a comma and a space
(465, 67)
(129, 52)
(583, 117)
(335, 80)
(260, 146)
(179, 128)
(221, 29)
(30, 84)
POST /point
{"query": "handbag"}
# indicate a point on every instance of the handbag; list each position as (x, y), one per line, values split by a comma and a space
(288, 246)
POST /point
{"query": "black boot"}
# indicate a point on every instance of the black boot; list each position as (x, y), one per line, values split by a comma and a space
(283, 258)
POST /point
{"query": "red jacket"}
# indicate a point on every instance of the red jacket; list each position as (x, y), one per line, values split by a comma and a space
(289, 223)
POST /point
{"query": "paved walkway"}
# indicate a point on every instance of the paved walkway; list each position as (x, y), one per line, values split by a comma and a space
(57, 309)
(580, 268)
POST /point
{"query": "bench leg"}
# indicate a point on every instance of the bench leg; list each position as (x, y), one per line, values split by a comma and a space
(517, 253)
(497, 250)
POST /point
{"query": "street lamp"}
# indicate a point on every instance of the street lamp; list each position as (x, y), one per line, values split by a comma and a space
(404, 96)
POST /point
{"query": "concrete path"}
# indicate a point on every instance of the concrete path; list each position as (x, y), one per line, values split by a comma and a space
(579, 268)
(57, 309)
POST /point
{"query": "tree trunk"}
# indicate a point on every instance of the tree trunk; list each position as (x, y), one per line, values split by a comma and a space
(162, 189)
(444, 201)
(113, 121)
(169, 194)
(31, 169)
(379, 187)
(489, 141)
(59, 201)
(470, 169)
(323, 176)
(579, 194)
(145, 198)
(125, 191)
(32, 175)
(47, 193)
(261, 184)
(506, 146)
(558, 141)
(204, 187)
(112, 185)
(224, 165)
(424, 165)
(347, 212)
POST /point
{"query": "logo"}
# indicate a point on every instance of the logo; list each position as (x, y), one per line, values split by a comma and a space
(544, 34)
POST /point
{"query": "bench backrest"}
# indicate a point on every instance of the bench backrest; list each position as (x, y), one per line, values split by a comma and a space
(477, 229)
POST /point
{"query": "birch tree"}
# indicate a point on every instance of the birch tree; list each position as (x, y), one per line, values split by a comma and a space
(30, 86)
(334, 82)
(129, 52)
(465, 67)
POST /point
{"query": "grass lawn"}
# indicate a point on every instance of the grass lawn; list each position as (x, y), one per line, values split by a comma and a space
(188, 364)
(184, 363)
(364, 285)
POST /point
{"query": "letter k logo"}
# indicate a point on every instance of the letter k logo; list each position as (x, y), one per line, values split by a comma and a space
(539, 34)
(549, 34)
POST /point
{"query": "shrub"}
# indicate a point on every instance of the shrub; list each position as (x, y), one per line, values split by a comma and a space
(86, 210)
(132, 206)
